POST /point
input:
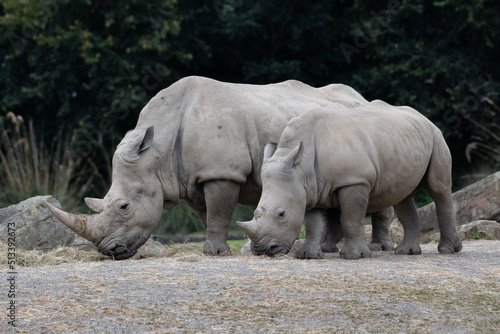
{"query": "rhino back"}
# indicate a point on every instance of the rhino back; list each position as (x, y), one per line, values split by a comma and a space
(386, 147)
(219, 129)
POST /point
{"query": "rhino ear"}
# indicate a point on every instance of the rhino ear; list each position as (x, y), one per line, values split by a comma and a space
(141, 143)
(147, 139)
(269, 150)
(294, 156)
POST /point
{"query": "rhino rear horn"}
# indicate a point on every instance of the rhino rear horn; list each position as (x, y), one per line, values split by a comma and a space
(95, 204)
(80, 224)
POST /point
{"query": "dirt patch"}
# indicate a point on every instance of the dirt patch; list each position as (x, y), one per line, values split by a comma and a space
(191, 293)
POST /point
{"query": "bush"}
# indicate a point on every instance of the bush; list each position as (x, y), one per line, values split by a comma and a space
(29, 168)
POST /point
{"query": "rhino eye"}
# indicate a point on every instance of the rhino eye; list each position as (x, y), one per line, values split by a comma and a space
(124, 206)
(281, 215)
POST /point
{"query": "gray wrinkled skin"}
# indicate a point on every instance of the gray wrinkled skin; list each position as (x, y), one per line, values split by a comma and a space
(366, 160)
(202, 141)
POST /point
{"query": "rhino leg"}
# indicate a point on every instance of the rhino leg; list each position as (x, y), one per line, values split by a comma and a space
(315, 227)
(449, 241)
(333, 233)
(438, 184)
(381, 240)
(353, 202)
(409, 218)
(200, 211)
(220, 197)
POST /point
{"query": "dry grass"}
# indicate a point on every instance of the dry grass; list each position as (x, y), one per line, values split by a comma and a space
(61, 255)
(68, 255)
(183, 252)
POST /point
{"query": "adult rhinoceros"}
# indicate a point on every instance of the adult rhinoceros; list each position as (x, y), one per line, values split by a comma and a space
(202, 141)
(370, 158)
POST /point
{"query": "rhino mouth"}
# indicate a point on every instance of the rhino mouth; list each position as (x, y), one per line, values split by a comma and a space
(270, 248)
(118, 250)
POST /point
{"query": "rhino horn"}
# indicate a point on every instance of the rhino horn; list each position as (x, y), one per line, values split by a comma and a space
(249, 228)
(80, 224)
(95, 204)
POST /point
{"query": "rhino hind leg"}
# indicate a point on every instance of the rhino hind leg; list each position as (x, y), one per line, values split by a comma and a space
(221, 197)
(381, 221)
(333, 231)
(437, 182)
(408, 216)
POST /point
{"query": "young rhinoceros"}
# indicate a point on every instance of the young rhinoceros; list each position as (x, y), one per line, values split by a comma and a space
(366, 160)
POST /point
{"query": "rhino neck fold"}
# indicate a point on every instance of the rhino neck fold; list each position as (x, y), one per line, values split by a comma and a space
(310, 177)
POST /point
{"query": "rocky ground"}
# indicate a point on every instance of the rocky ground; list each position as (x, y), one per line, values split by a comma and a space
(192, 293)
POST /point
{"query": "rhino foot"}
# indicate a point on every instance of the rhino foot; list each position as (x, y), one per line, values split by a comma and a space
(220, 249)
(450, 246)
(381, 246)
(408, 249)
(306, 252)
(328, 247)
(354, 252)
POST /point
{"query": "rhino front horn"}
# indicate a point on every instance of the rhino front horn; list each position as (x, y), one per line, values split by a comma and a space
(248, 227)
(80, 224)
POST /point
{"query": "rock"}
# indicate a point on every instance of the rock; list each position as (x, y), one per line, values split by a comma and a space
(151, 248)
(35, 227)
(396, 233)
(81, 244)
(245, 249)
(480, 229)
(296, 246)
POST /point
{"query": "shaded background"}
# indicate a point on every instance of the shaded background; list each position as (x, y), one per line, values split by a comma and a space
(79, 72)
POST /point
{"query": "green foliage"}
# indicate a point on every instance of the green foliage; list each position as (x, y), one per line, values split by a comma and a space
(302, 233)
(475, 235)
(86, 64)
(422, 198)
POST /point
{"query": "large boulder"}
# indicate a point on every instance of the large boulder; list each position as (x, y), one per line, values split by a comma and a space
(36, 228)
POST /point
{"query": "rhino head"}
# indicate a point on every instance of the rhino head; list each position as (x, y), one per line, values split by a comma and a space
(132, 208)
(280, 213)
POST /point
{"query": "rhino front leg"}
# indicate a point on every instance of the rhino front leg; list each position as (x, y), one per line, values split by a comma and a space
(221, 197)
(381, 240)
(353, 202)
(315, 227)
